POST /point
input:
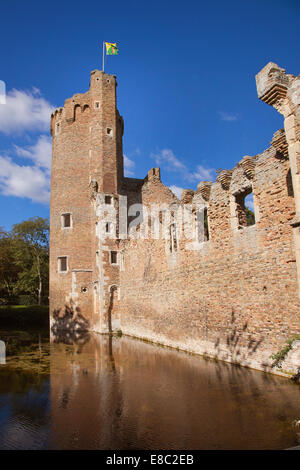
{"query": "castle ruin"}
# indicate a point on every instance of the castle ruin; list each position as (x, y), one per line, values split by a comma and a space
(126, 254)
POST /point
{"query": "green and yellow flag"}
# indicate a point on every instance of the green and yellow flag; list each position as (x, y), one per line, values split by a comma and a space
(111, 48)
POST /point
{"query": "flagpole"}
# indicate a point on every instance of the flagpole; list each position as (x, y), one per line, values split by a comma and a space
(103, 57)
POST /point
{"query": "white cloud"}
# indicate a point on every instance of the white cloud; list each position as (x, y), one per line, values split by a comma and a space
(176, 190)
(128, 166)
(2, 92)
(24, 181)
(249, 201)
(40, 153)
(203, 174)
(25, 111)
(167, 159)
(229, 117)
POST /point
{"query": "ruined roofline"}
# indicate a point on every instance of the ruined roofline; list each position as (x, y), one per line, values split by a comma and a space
(248, 163)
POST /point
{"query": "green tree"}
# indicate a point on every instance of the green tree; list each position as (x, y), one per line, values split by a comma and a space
(31, 253)
(249, 216)
(9, 271)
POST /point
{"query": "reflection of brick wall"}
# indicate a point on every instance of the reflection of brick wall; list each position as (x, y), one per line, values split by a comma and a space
(234, 297)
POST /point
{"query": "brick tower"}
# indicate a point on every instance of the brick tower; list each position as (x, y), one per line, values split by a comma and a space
(87, 171)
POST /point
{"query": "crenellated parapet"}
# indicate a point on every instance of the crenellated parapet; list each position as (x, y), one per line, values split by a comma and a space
(56, 116)
(78, 101)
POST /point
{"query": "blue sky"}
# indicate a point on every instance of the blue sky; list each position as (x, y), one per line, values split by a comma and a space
(186, 84)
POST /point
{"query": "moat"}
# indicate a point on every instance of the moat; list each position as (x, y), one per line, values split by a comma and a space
(101, 392)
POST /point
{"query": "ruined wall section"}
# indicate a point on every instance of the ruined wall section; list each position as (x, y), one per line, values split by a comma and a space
(235, 298)
(282, 91)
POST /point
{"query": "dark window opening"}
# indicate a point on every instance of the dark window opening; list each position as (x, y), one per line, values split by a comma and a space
(66, 220)
(206, 228)
(113, 257)
(57, 128)
(173, 238)
(108, 227)
(108, 199)
(63, 263)
(245, 208)
(108, 131)
(289, 184)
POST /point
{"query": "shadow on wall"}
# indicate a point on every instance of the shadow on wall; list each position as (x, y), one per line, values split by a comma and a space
(70, 327)
(240, 344)
(112, 294)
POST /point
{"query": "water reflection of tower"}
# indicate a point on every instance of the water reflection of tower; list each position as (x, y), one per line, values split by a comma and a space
(86, 396)
(111, 401)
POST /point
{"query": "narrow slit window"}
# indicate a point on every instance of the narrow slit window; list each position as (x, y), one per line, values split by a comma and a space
(206, 227)
(113, 257)
(97, 104)
(173, 238)
(66, 220)
(63, 264)
(108, 227)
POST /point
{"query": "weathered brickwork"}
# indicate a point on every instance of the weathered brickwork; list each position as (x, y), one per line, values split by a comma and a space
(232, 293)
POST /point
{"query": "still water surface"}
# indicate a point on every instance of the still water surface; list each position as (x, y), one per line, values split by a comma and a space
(121, 393)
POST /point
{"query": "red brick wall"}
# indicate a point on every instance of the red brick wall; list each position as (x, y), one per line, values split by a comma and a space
(235, 298)
(87, 163)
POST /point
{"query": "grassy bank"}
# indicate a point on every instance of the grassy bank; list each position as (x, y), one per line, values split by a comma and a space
(23, 316)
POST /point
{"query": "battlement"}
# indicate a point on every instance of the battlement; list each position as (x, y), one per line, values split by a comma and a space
(101, 93)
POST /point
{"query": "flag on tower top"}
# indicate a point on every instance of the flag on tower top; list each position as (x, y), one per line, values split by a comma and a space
(111, 48)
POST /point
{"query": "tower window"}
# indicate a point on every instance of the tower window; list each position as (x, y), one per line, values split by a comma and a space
(63, 264)
(108, 199)
(97, 104)
(108, 227)
(57, 128)
(113, 257)
(66, 220)
(108, 131)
